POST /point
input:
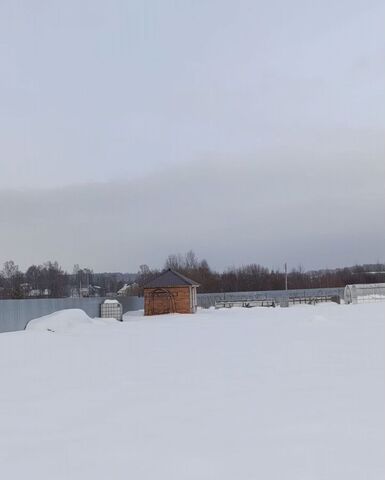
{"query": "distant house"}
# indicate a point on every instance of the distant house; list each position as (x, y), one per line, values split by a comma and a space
(35, 292)
(90, 291)
(170, 292)
(128, 289)
(25, 288)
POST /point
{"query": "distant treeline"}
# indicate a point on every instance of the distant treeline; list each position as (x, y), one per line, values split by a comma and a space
(255, 277)
(50, 280)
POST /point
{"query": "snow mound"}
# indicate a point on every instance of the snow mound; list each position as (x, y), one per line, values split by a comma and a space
(65, 320)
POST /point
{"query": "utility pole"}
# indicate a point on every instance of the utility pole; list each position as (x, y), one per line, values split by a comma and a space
(285, 276)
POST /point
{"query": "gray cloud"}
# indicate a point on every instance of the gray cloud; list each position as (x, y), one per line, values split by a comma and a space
(266, 208)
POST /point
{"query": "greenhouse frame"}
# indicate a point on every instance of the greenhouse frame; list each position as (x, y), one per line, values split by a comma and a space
(360, 293)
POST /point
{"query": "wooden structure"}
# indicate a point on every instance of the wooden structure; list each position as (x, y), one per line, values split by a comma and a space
(170, 292)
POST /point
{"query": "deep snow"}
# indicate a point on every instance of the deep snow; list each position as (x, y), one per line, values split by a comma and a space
(66, 321)
(294, 393)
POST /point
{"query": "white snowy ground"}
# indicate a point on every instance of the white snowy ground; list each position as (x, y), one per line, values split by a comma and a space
(239, 394)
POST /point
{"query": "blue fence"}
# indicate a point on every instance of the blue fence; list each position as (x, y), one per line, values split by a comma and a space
(15, 314)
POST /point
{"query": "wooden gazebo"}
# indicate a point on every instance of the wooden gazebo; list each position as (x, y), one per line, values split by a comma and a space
(170, 292)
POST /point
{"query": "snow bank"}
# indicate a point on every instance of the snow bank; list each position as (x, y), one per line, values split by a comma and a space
(134, 315)
(65, 320)
(248, 394)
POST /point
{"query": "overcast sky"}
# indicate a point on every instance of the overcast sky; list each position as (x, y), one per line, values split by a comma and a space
(249, 131)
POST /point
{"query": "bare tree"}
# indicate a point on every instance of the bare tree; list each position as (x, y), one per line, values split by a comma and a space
(12, 280)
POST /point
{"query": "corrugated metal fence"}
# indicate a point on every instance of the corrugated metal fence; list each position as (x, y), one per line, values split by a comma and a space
(15, 314)
(207, 300)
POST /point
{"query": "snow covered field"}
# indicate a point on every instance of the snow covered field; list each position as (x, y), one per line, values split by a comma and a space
(238, 394)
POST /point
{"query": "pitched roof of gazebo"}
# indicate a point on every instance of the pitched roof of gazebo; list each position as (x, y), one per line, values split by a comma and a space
(170, 278)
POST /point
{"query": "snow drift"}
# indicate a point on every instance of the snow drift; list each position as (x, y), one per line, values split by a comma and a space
(65, 321)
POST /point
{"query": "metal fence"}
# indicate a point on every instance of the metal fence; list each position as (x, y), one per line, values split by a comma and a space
(207, 300)
(15, 314)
